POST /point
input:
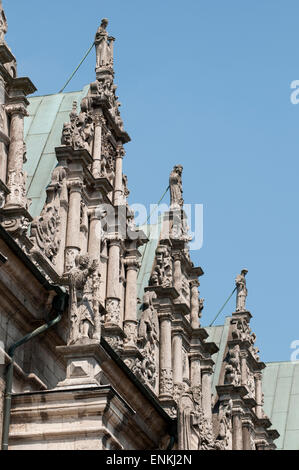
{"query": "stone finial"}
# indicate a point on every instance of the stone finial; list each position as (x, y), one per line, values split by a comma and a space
(104, 46)
(3, 24)
(241, 291)
(176, 188)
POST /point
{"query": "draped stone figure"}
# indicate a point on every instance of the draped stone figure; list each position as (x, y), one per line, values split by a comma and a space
(176, 188)
(194, 432)
(241, 291)
(224, 439)
(83, 282)
(104, 46)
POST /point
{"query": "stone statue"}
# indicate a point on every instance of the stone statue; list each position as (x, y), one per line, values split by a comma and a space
(148, 332)
(83, 281)
(3, 24)
(200, 307)
(194, 432)
(224, 438)
(241, 291)
(148, 339)
(162, 273)
(104, 46)
(176, 189)
(79, 132)
(45, 229)
(233, 367)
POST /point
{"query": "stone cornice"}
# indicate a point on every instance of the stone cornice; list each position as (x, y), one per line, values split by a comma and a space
(6, 56)
(163, 292)
(23, 84)
(68, 155)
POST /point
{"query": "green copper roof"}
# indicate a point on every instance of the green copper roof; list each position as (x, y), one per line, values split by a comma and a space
(218, 335)
(43, 129)
(281, 394)
(147, 252)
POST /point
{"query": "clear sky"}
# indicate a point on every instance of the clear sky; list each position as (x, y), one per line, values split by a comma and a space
(204, 83)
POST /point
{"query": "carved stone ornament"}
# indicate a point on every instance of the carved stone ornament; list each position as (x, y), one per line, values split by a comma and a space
(194, 431)
(104, 46)
(233, 367)
(200, 307)
(83, 281)
(2, 199)
(176, 188)
(79, 132)
(163, 270)
(241, 291)
(166, 382)
(3, 24)
(250, 383)
(45, 229)
(179, 226)
(130, 330)
(241, 331)
(113, 311)
(224, 438)
(16, 182)
(148, 340)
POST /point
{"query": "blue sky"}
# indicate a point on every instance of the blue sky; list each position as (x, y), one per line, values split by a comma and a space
(205, 84)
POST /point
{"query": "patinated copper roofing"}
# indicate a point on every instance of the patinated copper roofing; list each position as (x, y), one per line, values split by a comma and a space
(43, 128)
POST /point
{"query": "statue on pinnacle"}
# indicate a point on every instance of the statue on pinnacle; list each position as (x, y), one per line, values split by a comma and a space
(176, 188)
(241, 291)
(104, 46)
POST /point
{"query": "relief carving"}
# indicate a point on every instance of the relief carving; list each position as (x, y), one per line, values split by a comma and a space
(194, 431)
(79, 132)
(3, 24)
(162, 273)
(45, 229)
(166, 381)
(104, 46)
(233, 367)
(241, 291)
(176, 188)
(83, 281)
(113, 311)
(224, 438)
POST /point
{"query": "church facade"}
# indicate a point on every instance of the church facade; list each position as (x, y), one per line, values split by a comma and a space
(101, 331)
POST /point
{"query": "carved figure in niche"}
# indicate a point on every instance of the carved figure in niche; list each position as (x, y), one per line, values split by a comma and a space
(242, 331)
(194, 432)
(180, 228)
(104, 46)
(224, 438)
(45, 229)
(241, 291)
(162, 273)
(83, 281)
(233, 367)
(176, 188)
(79, 132)
(148, 338)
